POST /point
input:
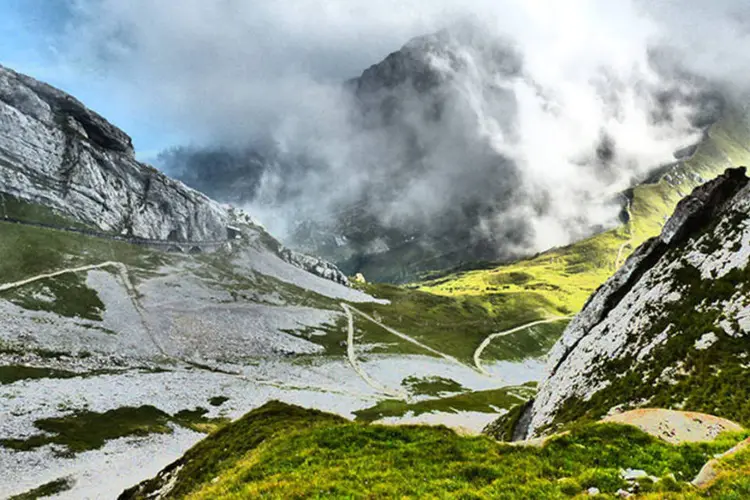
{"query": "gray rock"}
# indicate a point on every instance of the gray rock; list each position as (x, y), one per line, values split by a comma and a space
(56, 152)
(314, 265)
(633, 474)
(613, 324)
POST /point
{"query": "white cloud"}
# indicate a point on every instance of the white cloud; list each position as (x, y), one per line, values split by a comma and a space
(229, 71)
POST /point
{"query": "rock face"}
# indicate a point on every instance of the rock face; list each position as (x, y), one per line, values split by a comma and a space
(57, 153)
(668, 329)
(54, 151)
(314, 265)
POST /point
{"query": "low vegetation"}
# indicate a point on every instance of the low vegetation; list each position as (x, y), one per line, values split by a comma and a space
(66, 295)
(14, 373)
(431, 386)
(15, 208)
(281, 451)
(492, 401)
(453, 325)
(46, 490)
(85, 430)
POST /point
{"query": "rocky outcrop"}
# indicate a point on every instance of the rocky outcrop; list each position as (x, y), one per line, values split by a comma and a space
(54, 151)
(314, 265)
(664, 330)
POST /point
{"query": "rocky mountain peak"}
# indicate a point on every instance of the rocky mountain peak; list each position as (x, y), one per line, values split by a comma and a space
(54, 107)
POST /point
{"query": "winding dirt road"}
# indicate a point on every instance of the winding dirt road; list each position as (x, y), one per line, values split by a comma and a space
(486, 342)
(408, 338)
(355, 363)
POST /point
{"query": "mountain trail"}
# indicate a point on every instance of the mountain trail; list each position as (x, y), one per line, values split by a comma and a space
(409, 339)
(486, 342)
(355, 364)
(124, 276)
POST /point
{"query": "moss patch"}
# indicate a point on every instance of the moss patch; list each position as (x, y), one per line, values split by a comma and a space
(66, 295)
(491, 401)
(86, 430)
(218, 400)
(431, 386)
(11, 374)
(46, 490)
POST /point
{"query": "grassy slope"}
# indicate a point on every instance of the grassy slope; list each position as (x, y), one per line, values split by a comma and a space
(457, 325)
(454, 325)
(282, 451)
(559, 281)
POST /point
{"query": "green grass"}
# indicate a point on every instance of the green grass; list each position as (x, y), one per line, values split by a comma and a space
(454, 325)
(11, 374)
(281, 451)
(431, 386)
(733, 482)
(85, 430)
(211, 457)
(46, 490)
(491, 401)
(66, 295)
(533, 342)
(27, 251)
(15, 208)
(218, 400)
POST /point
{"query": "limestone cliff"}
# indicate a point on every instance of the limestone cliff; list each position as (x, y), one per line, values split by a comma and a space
(54, 151)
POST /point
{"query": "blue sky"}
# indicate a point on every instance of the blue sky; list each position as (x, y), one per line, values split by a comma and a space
(31, 31)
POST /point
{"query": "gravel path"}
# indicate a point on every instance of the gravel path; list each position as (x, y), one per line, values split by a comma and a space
(488, 340)
(355, 364)
(409, 339)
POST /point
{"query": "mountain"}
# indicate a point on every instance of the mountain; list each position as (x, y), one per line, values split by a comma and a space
(150, 331)
(665, 335)
(426, 171)
(667, 330)
(138, 315)
(56, 152)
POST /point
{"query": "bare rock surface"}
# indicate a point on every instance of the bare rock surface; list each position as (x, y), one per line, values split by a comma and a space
(56, 152)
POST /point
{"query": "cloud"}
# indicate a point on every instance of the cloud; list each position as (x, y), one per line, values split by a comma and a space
(546, 110)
